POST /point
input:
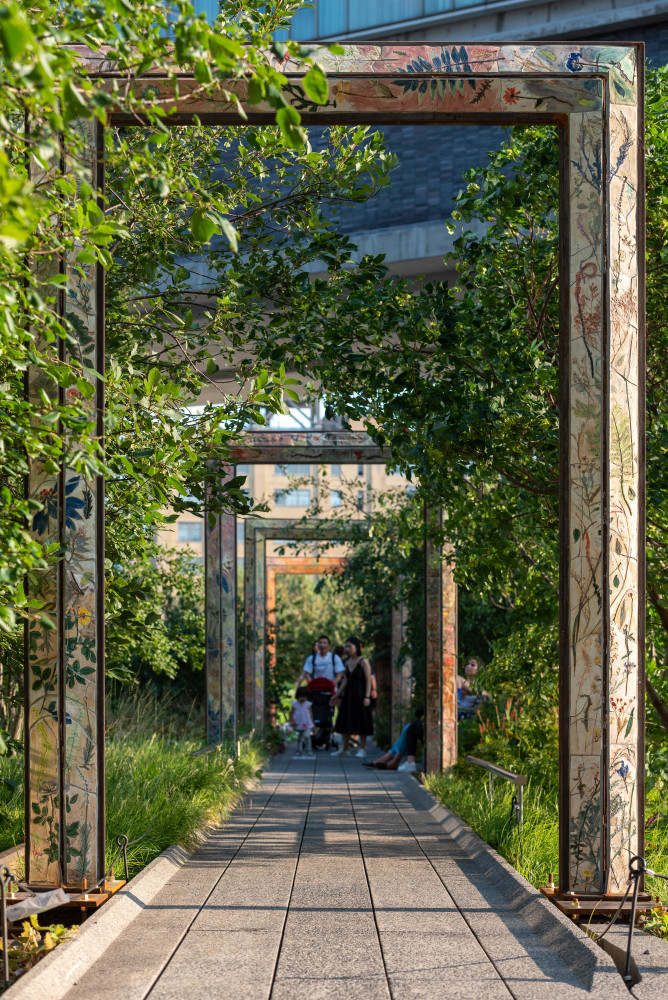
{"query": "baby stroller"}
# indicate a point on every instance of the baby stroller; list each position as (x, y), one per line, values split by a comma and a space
(320, 691)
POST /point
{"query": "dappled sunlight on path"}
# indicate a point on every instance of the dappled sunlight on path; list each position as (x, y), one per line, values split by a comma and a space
(338, 882)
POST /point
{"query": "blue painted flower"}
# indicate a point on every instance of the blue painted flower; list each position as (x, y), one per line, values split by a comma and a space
(623, 770)
(40, 521)
(574, 62)
(52, 709)
(74, 506)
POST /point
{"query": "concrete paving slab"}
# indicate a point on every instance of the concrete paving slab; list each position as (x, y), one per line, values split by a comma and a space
(428, 947)
(330, 947)
(649, 959)
(136, 956)
(535, 948)
(341, 883)
(231, 948)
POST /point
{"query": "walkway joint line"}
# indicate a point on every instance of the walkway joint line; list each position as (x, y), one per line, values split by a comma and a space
(294, 879)
(215, 886)
(368, 882)
(440, 878)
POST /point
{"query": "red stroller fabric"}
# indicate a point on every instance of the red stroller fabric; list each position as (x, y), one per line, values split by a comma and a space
(321, 684)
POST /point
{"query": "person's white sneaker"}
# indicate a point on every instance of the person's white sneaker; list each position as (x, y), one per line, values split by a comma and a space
(361, 752)
(340, 753)
(309, 756)
(408, 765)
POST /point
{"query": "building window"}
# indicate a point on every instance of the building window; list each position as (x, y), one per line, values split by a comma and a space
(336, 471)
(243, 469)
(360, 499)
(360, 470)
(292, 470)
(335, 498)
(292, 498)
(189, 531)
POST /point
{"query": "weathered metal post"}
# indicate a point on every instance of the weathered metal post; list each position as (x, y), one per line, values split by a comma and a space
(64, 663)
(255, 625)
(602, 499)
(440, 660)
(402, 674)
(220, 562)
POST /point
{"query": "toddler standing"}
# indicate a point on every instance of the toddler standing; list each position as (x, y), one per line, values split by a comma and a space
(301, 720)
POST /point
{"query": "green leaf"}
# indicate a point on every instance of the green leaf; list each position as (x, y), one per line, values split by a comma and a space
(15, 35)
(288, 119)
(202, 72)
(74, 104)
(153, 379)
(224, 50)
(231, 234)
(255, 90)
(315, 86)
(202, 226)
(629, 725)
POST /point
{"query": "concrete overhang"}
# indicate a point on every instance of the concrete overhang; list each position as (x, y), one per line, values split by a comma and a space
(515, 20)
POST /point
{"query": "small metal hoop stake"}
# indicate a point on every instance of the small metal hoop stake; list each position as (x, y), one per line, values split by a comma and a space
(516, 810)
(122, 843)
(6, 878)
(635, 874)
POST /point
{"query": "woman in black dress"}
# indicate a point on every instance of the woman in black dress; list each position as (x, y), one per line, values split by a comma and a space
(354, 699)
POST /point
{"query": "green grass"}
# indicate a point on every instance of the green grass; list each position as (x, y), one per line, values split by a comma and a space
(153, 781)
(465, 792)
(11, 801)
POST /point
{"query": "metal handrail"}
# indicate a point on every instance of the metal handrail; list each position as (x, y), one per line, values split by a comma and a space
(519, 780)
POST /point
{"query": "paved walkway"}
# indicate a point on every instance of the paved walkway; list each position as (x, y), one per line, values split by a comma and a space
(338, 882)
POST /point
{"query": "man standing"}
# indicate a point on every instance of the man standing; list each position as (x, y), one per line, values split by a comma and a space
(322, 663)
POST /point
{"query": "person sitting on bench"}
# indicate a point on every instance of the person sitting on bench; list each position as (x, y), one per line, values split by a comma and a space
(405, 745)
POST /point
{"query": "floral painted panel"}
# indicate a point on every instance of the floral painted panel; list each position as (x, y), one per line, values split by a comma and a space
(65, 703)
(587, 497)
(213, 613)
(440, 655)
(259, 635)
(228, 629)
(345, 447)
(449, 658)
(624, 431)
(433, 748)
(402, 674)
(250, 639)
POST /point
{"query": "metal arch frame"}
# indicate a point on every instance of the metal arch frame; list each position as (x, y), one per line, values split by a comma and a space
(288, 566)
(401, 674)
(255, 605)
(593, 93)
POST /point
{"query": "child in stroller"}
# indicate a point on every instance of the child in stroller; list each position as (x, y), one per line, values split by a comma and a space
(320, 691)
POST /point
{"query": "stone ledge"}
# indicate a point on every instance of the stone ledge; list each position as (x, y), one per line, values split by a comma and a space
(573, 946)
(51, 978)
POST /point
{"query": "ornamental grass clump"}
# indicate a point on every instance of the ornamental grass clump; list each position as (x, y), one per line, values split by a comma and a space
(524, 738)
(157, 788)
